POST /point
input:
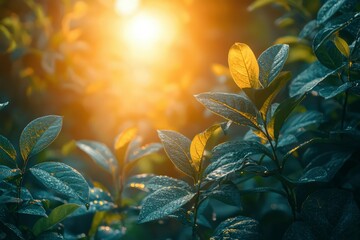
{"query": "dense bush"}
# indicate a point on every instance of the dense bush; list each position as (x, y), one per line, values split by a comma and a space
(291, 170)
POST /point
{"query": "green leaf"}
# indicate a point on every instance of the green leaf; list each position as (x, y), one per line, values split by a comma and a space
(177, 148)
(32, 207)
(7, 152)
(158, 182)
(329, 8)
(238, 228)
(324, 167)
(163, 202)
(329, 55)
(243, 66)
(62, 179)
(100, 153)
(271, 61)
(332, 214)
(14, 230)
(281, 114)
(309, 78)
(232, 156)
(57, 215)
(227, 193)
(263, 97)
(39, 134)
(300, 121)
(4, 104)
(233, 107)
(330, 91)
(299, 231)
(199, 144)
(6, 172)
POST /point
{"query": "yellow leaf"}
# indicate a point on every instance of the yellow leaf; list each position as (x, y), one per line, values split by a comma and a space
(342, 46)
(122, 142)
(243, 66)
(199, 143)
(125, 137)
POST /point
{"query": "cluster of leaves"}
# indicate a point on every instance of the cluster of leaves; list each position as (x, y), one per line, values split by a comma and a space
(28, 210)
(280, 167)
(305, 154)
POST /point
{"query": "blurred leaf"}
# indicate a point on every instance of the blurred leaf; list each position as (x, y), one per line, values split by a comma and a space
(263, 97)
(237, 228)
(198, 146)
(271, 61)
(100, 153)
(177, 147)
(3, 105)
(139, 181)
(62, 179)
(281, 114)
(122, 142)
(39, 134)
(145, 150)
(7, 152)
(50, 236)
(7, 43)
(163, 202)
(332, 214)
(233, 107)
(309, 29)
(324, 167)
(342, 46)
(108, 233)
(243, 66)
(327, 10)
(261, 3)
(231, 156)
(309, 78)
(57, 215)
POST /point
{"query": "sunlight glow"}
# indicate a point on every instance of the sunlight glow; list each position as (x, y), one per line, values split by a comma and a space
(126, 7)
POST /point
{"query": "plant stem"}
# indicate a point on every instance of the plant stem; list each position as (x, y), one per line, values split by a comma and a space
(197, 202)
(343, 115)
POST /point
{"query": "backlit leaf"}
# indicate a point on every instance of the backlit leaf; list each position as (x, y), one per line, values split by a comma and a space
(122, 142)
(38, 134)
(198, 146)
(271, 61)
(233, 107)
(243, 66)
(177, 147)
(7, 152)
(57, 215)
(261, 3)
(100, 153)
(62, 179)
(238, 228)
(342, 46)
(163, 202)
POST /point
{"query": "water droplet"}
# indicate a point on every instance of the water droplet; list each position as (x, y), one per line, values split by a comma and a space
(87, 205)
